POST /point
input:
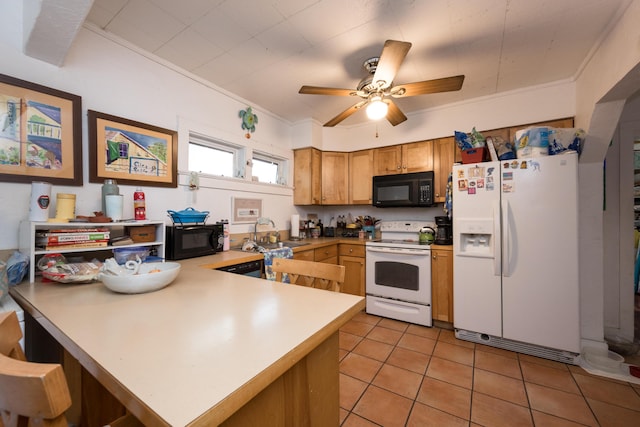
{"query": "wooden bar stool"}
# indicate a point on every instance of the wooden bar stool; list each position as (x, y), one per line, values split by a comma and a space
(318, 275)
(33, 391)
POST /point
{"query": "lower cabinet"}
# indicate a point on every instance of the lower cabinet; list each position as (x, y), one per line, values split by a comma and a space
(353, 259)
(442, 283)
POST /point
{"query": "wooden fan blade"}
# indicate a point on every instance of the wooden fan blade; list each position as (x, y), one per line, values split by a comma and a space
(394, 115)
(446, 84)
(316, 90)
(346, 113)
(393, 53)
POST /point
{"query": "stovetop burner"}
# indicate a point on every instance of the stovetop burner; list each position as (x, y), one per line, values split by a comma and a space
(401, 234)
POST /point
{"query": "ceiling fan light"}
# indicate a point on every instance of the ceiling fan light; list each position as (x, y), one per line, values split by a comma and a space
(377, 109)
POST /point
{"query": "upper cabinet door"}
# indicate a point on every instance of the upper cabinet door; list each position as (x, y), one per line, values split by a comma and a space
(335, 178)
(360, 177)
(417, 157)
(387, 160)
(443, 159)
(307, 176)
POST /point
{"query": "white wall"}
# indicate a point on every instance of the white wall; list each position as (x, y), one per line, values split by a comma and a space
(114, 78)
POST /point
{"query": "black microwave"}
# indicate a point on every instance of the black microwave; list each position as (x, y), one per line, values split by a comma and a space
(403, 190)
(190, 241)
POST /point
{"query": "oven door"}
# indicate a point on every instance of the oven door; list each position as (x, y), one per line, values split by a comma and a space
(399, 273)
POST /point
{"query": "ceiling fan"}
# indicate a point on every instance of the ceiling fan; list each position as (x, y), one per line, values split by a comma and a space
(376, 89)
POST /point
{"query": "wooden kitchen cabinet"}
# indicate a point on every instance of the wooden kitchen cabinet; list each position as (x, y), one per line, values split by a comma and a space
(442, 283)
(307, 176)
(360, 177)
(335, 178)
(353, 259)
(328, 254)
(405, 158)
(443, 159)
(307, 255)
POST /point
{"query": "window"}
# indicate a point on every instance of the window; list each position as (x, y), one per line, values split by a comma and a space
(268, 168)
(215, 157)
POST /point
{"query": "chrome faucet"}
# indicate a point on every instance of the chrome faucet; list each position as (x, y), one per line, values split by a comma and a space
(262, 221)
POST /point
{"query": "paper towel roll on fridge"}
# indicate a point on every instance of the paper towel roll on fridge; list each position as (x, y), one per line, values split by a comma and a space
(295, 225)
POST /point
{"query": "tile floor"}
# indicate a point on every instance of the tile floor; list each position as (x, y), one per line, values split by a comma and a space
(398, 374)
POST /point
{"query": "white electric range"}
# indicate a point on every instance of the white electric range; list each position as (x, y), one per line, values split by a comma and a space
(398, 273)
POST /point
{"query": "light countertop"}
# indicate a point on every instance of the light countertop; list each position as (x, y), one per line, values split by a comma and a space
(194, 347)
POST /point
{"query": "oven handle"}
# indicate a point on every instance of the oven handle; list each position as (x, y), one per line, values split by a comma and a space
(399, 251)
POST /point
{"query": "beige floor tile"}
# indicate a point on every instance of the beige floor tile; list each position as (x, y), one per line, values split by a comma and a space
(546, 420)
(489, 411)
(342, 353)
(343, 415)
(500, 386)
(451, 372)
(398, 380)
(549, 376)
(559, 403)
(350, 391)
(360, 329)
(609, 415)
(498, 363)
(385, 335)
(383, 407)
(348, 341)
(374, 349)
(417, 343)
(409, 359)
(453, 352)
(606, 391)
(424, 331)
(446, 397)
(426, 416)
(360, 367)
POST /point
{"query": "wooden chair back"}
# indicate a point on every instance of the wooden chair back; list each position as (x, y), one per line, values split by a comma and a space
(36, 391)
(319, 275)
(10, 335)
(33, 391)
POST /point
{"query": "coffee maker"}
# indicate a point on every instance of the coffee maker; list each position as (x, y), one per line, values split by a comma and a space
(444, 231)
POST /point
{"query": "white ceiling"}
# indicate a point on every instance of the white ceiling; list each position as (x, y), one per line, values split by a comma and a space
(264, 50)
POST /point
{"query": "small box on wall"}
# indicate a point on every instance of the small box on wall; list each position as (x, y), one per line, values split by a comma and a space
(143, 234)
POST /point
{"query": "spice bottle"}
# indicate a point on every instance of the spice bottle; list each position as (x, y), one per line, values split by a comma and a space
(139, 205)
(110, 186)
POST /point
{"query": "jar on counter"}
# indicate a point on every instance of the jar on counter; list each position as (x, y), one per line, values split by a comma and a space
(109, 187)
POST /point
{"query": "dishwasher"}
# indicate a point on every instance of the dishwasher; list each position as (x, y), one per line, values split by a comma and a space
(250, 268)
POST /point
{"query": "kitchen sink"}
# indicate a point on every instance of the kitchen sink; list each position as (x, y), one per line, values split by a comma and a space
(269, 246)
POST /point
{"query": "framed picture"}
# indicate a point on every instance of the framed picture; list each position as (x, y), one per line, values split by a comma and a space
(130, 152)
(246, 210)
(40, 133)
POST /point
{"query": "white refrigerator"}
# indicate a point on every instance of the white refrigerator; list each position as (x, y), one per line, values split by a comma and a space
(515, 226)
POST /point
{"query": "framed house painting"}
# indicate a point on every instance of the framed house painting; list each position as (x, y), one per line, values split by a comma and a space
(130, 152)
(40, 133)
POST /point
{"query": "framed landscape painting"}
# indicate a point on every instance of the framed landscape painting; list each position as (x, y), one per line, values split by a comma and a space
(130, 152)
(40, 133)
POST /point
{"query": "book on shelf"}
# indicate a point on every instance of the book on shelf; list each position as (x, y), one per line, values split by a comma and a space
(121, 241)
(82, 245)
(76, 237)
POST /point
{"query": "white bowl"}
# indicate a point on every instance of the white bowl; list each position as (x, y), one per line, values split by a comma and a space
(151, 276)
(609, 361)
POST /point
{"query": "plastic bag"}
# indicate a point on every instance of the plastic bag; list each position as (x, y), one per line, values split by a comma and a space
(4, 282)
(17, 266)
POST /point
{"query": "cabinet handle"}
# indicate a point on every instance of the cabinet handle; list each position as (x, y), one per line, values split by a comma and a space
(434, 256)
(350, 250)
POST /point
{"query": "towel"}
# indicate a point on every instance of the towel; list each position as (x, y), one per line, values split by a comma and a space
(268, 262)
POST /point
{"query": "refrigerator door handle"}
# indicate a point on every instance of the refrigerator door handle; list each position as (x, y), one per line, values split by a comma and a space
(506, 239)
(497, 271)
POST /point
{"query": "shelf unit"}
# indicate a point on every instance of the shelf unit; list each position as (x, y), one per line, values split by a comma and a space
(28, 229)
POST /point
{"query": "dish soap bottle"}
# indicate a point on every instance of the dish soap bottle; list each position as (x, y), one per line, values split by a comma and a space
(139, 205)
